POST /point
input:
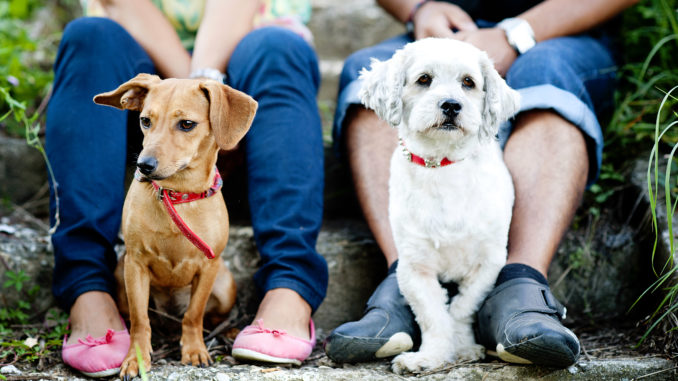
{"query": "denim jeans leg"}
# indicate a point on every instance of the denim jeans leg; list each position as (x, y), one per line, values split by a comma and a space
(284, 154)
(86, 145)
(573, 76)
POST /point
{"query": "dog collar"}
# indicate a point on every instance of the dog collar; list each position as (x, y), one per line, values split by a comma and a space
(171, 197)
(424, 162)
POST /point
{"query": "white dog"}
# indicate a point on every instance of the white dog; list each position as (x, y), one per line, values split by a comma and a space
(451, 195)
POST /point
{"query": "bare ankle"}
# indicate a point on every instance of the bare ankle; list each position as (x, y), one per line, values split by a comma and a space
(283, 308)
(93, 313)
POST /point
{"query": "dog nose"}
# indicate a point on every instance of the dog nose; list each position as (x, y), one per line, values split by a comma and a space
(450, 107)
(147, 165)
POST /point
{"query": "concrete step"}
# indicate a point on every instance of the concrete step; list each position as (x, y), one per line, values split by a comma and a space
(342, 27)
(636, 368)
(339, 29)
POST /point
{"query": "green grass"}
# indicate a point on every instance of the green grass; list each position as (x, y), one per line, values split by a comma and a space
(646, 117)
(27, 337)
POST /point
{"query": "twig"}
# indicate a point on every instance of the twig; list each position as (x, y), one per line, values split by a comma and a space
(170, 317)
(562, 276)
(37, 376)
(16, 358)
(220, 328)
(21, 326)
(604, 348)
(43, 104)
(233, 322)
(583, 348)
(28, 216)
(657, 372)
(444, 368)
(4, 263)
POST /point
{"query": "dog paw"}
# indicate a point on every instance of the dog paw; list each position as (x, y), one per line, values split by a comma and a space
(471, 353)
(195, 355)
(130, 367)
(416, 362)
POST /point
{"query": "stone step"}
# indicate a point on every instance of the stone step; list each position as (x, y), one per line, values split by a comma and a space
(625, 368)
(342, 27)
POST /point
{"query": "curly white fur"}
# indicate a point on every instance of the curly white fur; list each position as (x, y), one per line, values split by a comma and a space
(449, 223)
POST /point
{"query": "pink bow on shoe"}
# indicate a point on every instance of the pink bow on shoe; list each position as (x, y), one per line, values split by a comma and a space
(261, 329)
(92, 342)
(97, 357)
(258, 343)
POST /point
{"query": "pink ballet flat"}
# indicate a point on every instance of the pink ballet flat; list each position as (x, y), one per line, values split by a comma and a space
(100, 357)
(257, 343)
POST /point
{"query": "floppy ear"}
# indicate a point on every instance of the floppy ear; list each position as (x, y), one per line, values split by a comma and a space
(130, 95)
(382, 88)
(501, 101)
(231, 113)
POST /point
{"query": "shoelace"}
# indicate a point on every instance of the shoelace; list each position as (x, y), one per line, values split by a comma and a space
(92, 342)
(274, 332)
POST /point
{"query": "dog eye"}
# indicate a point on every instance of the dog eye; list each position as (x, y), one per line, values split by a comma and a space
(187, 125)
(468, 83)
(424, 80)
(145, 122)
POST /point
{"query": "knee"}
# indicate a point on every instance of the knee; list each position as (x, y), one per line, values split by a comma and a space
(86, 33)
(275, 46)
(353, 65)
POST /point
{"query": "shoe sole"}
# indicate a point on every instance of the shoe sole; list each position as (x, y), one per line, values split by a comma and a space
(396, 344)
(357, 349)
(103, 373)
(536, 352)
(247, 354)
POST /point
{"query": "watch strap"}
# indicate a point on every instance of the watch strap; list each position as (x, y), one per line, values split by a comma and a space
(519, 34)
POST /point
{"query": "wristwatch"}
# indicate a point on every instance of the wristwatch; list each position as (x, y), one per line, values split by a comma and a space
(519, 34)
(209, 73)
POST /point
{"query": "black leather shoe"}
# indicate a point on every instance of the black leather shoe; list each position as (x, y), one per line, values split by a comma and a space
(386, 329)
(521, 319)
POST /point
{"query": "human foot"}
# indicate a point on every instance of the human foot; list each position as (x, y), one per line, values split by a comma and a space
(93, 314)
(282, 331)
(284, 309)
(386, 329)
(522, 319)
(99, 340)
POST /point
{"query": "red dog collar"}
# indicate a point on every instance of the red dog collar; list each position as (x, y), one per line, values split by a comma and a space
(428, 163)
(171, 197)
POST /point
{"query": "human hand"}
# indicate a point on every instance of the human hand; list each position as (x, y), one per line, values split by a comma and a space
(494, 42)
(438, 19)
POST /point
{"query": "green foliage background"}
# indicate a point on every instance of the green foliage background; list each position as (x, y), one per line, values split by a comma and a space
(25, 71)
(649, 37)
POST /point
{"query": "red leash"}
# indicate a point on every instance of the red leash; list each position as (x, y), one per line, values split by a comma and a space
(171, 197)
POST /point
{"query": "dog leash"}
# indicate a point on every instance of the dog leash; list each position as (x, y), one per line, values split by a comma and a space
(171, 197)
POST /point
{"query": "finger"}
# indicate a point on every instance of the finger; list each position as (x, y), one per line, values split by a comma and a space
(461, 36)
(433, 30)
(459, 19)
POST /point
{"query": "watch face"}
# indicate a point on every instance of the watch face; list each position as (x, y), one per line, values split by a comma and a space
(519, 34)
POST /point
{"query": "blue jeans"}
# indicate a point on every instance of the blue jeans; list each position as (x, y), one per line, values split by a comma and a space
(573, 76)
(89, 146)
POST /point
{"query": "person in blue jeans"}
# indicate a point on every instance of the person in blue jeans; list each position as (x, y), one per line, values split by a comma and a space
(555, 53)
(90, 147)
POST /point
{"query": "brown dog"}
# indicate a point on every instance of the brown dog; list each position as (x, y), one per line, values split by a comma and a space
(185, 123)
